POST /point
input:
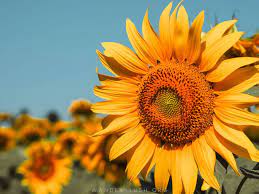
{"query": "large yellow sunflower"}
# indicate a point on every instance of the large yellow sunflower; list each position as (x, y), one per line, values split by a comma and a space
(175, 101)
(45, 171)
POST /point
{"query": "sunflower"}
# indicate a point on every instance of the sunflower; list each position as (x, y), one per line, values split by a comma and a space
(7, 138)
(5, 116)
(93, 153)
(22, 120)
(246, 47)
(175, 101)
(93, 125)
(31, 133)
(45, 171)
(59, 127)
(68, 141)
(80, 107)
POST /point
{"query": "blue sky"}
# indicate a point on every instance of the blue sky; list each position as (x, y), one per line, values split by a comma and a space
(47, 48)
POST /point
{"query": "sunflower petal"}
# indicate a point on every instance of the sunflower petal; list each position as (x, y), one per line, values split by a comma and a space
(205, 158)
(120, 124)
(175, 171)
(173, 25)
(236, 141)
(220, 149)
(189, 170)
(113, 66)
(162, 170)
(245, 85)
(181, 33)
(228, 66)
(146, 148)
(164, 30)
(194, 39)
(139, 44)
(106, 93)
(151, 163)
(124, 56)
(152, 39)
(126, 142)
(236, 99)
(236, 116)
(237, 78)
(217, 32)
(212, 53)
(114, 107)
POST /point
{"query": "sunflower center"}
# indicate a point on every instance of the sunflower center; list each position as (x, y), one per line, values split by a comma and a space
(175, 103)
(43, 167)
(3, 142)
(168, 102)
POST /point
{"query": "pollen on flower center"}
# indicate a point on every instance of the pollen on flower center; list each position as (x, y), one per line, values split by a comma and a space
(168, 102)
(175, 103)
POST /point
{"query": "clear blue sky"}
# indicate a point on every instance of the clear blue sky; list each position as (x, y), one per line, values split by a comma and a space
(47, 48)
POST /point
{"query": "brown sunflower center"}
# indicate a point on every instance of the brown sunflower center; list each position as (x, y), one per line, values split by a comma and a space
(3, 142)
(175, 103)
(43, 167)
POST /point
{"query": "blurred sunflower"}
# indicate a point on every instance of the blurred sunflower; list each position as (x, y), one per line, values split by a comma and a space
(80, 107)
(22, 120)
(59, 127)
(68, 141)
(30, 133)
(94, 158)
(5, 116)
(93, 125)
(246, 47)
(176, 101)
(81, 112)
(7, 138)
(45, 171)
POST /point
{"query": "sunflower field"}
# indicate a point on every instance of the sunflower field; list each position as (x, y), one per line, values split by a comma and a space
(178, 113)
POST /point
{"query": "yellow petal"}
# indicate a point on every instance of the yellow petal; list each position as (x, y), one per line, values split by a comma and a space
(139, 44)
(126, 142)
(236, 99)
(236, 116)
(220, 149)
(235, 140)
(114, 107)
(217, 32)
(194, 39)
(181, 34)
(175, 171)
(205, 158)
(228, 66)
(205, 186)
(164, 30)
(118, 84)
(162, 170)
(173, 26)
(151, 163)
(245, 85)
(124, 56)
(113, 66)
(212, 53)
(137, 162)
(115, 93)
(120, 124)
(236, 78)
(152, 39)
(189, 170)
